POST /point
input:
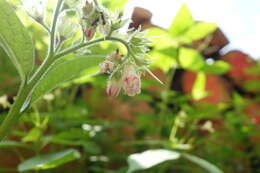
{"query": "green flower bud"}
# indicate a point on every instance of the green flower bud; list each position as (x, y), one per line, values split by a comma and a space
(67, 24)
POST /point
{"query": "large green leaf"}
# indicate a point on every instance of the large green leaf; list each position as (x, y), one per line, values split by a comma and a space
(15, 40)
(182, 22)
(197, 31)
(202, 163)
(63, 71)
(150, 158)
(49, 161)
(190, 59)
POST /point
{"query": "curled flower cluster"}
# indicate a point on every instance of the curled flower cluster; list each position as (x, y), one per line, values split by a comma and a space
(129, 80)
(124, 71)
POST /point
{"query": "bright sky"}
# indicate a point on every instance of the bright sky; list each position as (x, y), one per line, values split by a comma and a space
(238, 19)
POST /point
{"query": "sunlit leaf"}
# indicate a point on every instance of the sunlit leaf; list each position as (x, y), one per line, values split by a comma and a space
(150, 158)
(198, 90)
(15, 40)
(202, 163)
(190, 59)
(198, 31)
(161, 39)
(49, 161)
(182, 22)
(63, 71)
(112, 5)
(218, 67)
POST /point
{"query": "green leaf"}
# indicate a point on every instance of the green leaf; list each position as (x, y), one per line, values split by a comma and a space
(33, 135)
(64, 70)
(198, 90)
(49, 161)
(15, 40)
(202, 163)
(252, 85)
(255, 70)
(218, 67)
(161, 39)
(150, 158)
(113, 5)
(182, 22)
(198, 31)
(7, 144)
(190, 59)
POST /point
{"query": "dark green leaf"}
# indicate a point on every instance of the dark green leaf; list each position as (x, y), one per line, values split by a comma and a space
(202, 163)
(150, 158)
(6, 144)
(63, 71)
(15, 40)
(182, 22)
(49, 161)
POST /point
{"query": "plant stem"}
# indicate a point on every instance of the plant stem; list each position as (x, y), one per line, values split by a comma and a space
(53, 28)
(27, 87)
(22, 101)
(77, 47)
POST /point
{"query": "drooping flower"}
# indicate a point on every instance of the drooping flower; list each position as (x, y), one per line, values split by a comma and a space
(106, 66)
(89, 33)
(131, 81)
(114, 87)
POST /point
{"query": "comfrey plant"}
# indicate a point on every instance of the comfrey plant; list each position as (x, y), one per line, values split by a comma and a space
(64, 62)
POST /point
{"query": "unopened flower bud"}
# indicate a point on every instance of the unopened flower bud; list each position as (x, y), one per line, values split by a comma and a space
(67, 24)
(89, 33)
(131, 81)
(34, 9)
(115, 56)
(106, 66)
(88, 8)
(114, 87)
(105, 29)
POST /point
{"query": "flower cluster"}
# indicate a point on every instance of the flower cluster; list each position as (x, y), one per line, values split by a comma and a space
(97, 17)
(125, 72)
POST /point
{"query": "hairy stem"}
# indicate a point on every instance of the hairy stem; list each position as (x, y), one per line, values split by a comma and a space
(22, 101)
(91, 43)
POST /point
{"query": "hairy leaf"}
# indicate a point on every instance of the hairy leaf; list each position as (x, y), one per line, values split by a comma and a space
(63, 71)
(15, 40)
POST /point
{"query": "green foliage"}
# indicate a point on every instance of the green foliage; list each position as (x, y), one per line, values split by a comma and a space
(64, 70)
(15, 40)
(198, 90)
(190, 59)
(162, 122)
(203, 163)
(218, 67)
(182, 22)
(150, 158)
(49, 161)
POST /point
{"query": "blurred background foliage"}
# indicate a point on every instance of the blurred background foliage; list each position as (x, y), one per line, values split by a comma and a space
(206, 112)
